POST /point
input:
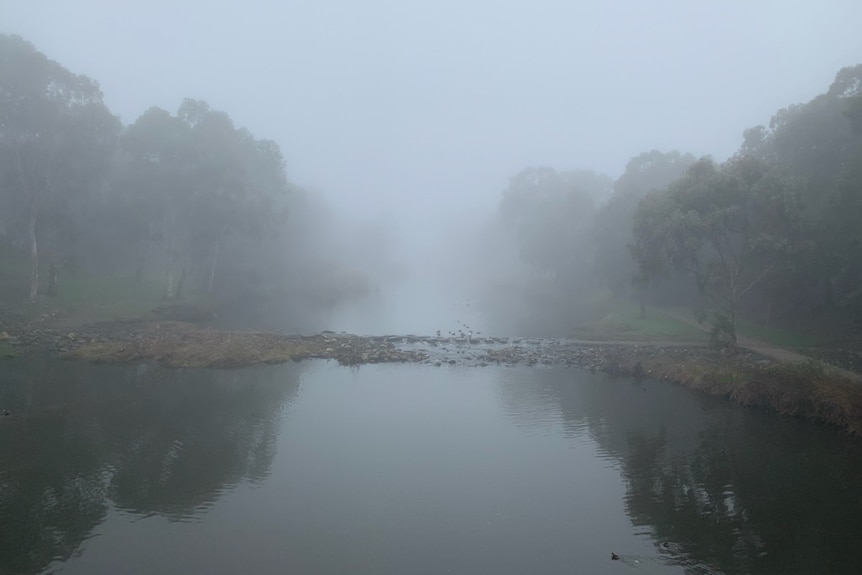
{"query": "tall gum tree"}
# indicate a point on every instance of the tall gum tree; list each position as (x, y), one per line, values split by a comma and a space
(202, 181)
(612, 232)
(55, 138)
(729, 227)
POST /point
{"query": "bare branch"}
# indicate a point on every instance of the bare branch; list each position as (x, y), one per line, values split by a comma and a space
(756, 280)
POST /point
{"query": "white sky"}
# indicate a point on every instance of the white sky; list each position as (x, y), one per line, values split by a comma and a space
(420, 108)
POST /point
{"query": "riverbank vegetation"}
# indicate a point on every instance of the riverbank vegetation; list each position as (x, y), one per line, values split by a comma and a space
(765, 242)
(179, 344)
(182, 216)
(106, 218)
(811, 389)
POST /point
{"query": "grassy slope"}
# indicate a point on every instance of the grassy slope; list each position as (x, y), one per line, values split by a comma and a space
(102, 298)
(776, 336)
(623, 323)
(88, 298)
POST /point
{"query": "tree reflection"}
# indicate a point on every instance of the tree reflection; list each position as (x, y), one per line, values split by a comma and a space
(145, 439)
(718, 486)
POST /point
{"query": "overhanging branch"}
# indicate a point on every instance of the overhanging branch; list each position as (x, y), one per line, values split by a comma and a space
(756, 280)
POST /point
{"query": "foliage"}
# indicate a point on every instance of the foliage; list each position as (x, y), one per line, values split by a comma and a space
(56, 137)
(196, 180)
(727, 227)
(187, 197)
(550, 219)
(612, 233)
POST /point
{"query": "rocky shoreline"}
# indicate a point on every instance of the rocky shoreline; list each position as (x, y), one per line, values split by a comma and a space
(183, 344)
(811, 390)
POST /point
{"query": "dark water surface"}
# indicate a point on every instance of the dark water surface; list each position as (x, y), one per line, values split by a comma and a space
(313, 468)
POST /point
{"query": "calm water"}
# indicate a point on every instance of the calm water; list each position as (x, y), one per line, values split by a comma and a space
(313, 468)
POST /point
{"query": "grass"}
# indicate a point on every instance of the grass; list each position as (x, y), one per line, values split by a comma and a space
(89, 298)
(776, 336)
(101, 298)
(6, 350)
(180, 344)
(623, 323)
(811, 390)
(116, 296)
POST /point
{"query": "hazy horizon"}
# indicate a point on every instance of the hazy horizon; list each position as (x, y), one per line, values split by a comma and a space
(408, 110)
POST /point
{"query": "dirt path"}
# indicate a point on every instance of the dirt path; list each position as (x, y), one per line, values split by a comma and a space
(758, 346)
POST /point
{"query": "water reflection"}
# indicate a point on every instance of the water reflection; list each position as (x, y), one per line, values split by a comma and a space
(145, 440)
(394, 469)
(717, 487)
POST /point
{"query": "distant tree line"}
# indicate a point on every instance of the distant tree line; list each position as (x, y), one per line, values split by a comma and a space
(772, 233)
(187, 196)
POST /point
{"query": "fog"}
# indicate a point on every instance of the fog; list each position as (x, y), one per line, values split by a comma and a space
(490, 200)
(406, 122)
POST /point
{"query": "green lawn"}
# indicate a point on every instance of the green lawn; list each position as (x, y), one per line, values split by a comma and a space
(623, 322)
(92, 298)
(108, 297)
(6, 350)
(775, 336)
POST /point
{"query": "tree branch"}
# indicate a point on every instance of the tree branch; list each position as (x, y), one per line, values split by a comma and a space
(756, 280)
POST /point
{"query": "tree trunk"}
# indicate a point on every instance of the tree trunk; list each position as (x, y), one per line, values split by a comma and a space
(642, 291)
(139, 269)
(34, 252)
(169, 277)
(213, 267)
(173, 255)
(733, 325)
(144, 255)
(642, 297)
(52, 277)
(180, 283)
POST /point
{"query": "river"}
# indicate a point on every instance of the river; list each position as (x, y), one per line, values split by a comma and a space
(315, 468)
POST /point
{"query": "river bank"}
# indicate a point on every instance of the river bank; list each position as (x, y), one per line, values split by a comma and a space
(811, 389)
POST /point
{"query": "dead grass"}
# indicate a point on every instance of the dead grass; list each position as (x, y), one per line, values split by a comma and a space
(184, 345)
(811, 390)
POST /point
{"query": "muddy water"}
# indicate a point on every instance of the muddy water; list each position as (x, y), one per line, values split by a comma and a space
(313, 468)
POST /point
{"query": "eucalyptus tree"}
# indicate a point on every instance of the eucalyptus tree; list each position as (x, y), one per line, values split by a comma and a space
(550, 219)
(612, 229)
(154, 180)
(200, 181)
(820, 143)
(56, 137)
(729, 227)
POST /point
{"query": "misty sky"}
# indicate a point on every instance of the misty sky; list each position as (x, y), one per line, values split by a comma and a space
(415, 108)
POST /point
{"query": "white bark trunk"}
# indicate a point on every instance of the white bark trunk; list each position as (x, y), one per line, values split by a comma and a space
(213, 267)
(169, 278)
(34, 253)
